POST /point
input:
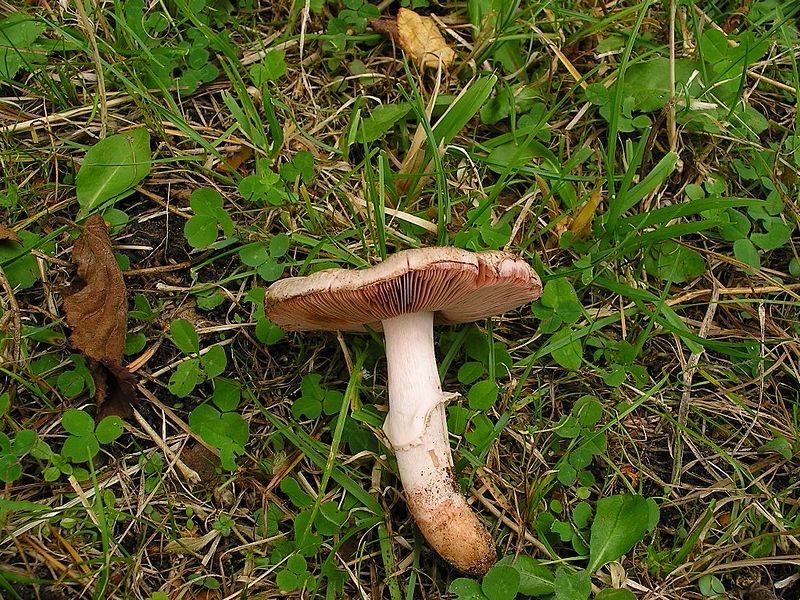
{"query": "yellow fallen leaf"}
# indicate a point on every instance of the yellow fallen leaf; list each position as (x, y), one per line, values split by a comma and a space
(581, 225)
(420, 37)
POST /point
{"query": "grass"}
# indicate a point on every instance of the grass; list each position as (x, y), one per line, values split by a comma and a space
(633, 433)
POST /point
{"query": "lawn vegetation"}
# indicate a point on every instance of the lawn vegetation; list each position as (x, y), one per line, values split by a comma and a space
(631, 434)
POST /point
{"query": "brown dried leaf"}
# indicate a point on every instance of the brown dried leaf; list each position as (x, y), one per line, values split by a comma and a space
(96, 310)
(233, 162)
(387, 26)
(203, 462)
(419, 36)
(115, 389)
(8, 234)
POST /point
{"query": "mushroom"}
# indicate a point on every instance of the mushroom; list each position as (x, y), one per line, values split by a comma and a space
(403, 296)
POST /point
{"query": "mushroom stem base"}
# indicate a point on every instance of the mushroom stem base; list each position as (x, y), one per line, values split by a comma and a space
(440, 511)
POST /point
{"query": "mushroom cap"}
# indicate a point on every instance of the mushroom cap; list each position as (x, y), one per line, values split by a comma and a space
(457, 285)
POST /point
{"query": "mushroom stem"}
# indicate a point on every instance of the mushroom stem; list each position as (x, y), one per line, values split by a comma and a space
(417, 429)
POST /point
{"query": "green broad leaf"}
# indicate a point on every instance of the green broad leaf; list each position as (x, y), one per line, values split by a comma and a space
(515, 154)
(80, 448)
(302, 166)
(184, 336)
(235, 428)
(673, 262)
(5, 443)
(295, 493)
(580, 457)
(18, 34)
(254, 255)
(227, 431)
(311, 386)
(482, 429)
(567, 427)
(5, 403)
(306, 406)
(209, 215)
(495, 236)
(779, 444)
(70, 383)
(648, 82)
(535, 579)
(581, 514)
(761, 548)
(501, 583)
(566, 474)
(135, 343)
(483, 395)
(498, 108)
(611, 594)
(201, 231)
(620, 522)
(209, 299)
(203, 416)
(332, 402)
(287, 581)
(10, 469)
(112, 167)
(23, 505)
(214, 361)
(142, 309)
(710, 585)
(329, 520)
(109, 429)
(595, 443)
(564, 530)
(559, 296)
(777, 234)
(737, 228)
(253, 188)
(466, 589)
(297, 564)
(272, 68)
(77, 422)
(572, 586)
(270, 270)
(470, 372)
(745, 251)
(23, 442)
(598, 94)
(267, 332)
(588, 411)
(185, 378)
(20, 266)
(457, 418)
(794, 267)
(567, 350)
(227, 394)
(279, 245)
(382, 119)
(308, 542)
(748, 120)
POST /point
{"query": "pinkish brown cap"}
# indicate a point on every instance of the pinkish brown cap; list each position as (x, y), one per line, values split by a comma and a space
(457, 285)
